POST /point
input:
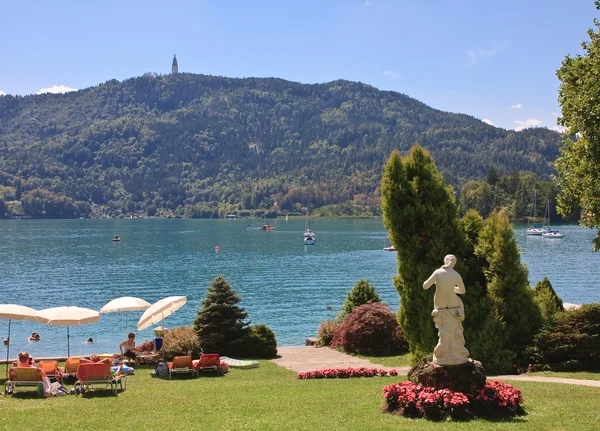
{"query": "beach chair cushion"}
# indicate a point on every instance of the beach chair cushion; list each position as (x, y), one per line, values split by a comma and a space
(182, 364)
(99, 372)
(51, 369)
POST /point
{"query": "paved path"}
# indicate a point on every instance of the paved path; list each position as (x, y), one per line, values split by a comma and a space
(309, 358)
(301, 359)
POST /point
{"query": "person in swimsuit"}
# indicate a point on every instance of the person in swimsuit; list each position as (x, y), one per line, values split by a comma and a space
(128, 347)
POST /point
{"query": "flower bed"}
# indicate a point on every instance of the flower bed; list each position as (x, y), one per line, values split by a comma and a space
(345, 373)
(496, 399)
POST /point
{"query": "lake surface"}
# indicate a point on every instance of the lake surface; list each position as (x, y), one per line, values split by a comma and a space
(283, 283)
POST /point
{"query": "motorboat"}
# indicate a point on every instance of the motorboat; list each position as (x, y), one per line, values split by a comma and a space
(553, 234)
(391, 248)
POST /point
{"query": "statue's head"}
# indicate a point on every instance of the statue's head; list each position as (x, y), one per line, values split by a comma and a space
(449, 261)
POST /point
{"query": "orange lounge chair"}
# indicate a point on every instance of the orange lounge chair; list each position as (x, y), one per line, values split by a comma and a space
(51, 369)
(99, 373)
(209, 362)
(23, 376)
(182, 364)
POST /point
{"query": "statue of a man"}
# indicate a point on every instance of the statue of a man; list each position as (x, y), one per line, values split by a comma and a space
(448, 314)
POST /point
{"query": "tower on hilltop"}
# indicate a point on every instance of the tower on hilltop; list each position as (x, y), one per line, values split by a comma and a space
(174, 67)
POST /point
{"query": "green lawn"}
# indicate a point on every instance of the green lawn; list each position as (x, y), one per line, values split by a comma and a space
(390, 361)
(271, 398)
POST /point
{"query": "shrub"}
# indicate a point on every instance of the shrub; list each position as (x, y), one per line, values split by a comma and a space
(220, 323)
(260, 343)
(362, 293)
(326, 333)
(181, 341)
(572, 342)
(371, 329)
(547, 300)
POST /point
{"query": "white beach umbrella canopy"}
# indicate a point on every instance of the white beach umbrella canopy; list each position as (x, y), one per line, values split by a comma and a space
(67, 316)
(126, 304)
(15, 312)
(159, 310)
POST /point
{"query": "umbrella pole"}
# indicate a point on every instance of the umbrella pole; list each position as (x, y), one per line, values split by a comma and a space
(126, 322)
(8, 348)
(68, 343)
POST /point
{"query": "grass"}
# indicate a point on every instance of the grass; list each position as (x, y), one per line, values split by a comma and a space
(271, 398)
(389, 361)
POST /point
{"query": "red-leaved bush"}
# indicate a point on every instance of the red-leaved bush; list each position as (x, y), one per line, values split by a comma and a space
(345, 373)
(370, 329)
(415, 401)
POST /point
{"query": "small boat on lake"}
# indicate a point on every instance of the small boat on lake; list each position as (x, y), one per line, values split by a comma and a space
(309, 240)
(391, 248)
(550, 233)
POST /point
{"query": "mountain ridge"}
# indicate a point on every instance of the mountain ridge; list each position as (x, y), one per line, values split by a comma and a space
(203, 145)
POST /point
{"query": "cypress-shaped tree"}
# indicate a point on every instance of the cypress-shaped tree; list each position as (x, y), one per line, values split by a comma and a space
(507, 284)
(421, 217)
(547, 300)
(362, 293)
(220, 323)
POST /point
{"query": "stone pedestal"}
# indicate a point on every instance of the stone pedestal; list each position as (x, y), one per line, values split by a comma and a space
(466, 378)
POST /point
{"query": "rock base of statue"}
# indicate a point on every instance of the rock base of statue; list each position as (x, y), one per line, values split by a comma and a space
(466, 378)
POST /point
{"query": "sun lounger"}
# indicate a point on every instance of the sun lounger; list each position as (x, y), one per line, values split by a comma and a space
(209, 362)
(89, 374)
(23, 376)
(51, 369)
(147, 358)
(182, 364)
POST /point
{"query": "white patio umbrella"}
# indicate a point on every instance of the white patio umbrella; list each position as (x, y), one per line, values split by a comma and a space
(159, 310)
(126, 304)
(15, 312)
(67, 316)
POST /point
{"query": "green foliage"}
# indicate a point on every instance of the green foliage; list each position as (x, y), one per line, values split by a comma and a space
(547, 300)
(260, 343)
(209, 145)
(180, 341)
(326, 332)
(421, 218)
(578, 173)
(571, 343)
(220, 324)
(371, 329)
(507, 284)
(362, 293)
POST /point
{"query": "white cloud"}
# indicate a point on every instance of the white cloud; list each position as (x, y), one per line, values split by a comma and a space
(56, 89)
(559, 129)
(475, 55)
(532, 122)
(517, 106)
(391, 74)
(2, 93)
(488, 121)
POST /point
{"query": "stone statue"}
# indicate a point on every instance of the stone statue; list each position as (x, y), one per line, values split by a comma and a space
(448, 314)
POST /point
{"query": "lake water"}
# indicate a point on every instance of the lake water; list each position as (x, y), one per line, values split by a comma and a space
(282, 282)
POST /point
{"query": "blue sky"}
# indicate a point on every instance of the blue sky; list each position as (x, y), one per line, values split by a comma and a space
(495, 60)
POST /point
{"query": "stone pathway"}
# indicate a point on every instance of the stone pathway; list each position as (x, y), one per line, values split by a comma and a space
(302, 359)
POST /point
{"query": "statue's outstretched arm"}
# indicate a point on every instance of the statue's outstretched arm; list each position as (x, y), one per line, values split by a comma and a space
(430, 281)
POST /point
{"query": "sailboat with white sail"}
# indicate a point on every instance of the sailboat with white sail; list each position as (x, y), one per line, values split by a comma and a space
(309, 235)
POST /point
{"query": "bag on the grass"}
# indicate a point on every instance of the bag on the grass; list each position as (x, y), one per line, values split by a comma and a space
(162, 369)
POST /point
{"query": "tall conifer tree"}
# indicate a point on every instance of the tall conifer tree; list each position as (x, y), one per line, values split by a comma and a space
(220, 324)
(420, 215)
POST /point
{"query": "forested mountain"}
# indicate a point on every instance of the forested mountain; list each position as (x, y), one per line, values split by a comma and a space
(204, 146)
